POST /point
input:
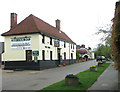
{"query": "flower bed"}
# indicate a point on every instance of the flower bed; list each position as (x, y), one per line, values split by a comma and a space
(71, 80)
(93, 68)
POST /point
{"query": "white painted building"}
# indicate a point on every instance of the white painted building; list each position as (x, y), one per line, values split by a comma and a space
(34, 44)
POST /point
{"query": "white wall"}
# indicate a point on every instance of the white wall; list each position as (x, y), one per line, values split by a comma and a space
(18, 54)
(36, 44)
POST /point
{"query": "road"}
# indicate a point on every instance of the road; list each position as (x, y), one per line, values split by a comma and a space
(36, 80)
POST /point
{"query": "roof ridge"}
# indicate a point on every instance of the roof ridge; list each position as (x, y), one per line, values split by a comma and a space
(43, 21)
(34, 20)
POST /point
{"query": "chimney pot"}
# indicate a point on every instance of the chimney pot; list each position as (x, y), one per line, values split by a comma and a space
(13, 20)
(83, 46)
(58, 24)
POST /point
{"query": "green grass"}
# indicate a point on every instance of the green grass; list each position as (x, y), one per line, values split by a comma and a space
(86, 79)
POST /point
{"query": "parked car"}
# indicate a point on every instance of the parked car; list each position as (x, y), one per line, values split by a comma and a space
(103, 58)
(99, 58)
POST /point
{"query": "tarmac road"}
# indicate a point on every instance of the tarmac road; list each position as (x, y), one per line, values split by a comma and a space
(36, 80)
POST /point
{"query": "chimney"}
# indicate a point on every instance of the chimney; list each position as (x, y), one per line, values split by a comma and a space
(82, 46)
(58, 24)
(13, 20)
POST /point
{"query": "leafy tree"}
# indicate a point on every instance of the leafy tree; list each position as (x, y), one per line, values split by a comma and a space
(77, 55)
(115, 39)
(103, 50)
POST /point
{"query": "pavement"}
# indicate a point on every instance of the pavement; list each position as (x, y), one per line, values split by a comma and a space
(108, 81)
(36, 80)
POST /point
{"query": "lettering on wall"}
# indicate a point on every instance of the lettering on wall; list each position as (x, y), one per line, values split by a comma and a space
(21, 43)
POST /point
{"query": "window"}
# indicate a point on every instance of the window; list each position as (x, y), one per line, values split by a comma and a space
(50, 55)
(50, 41)
(43, 54)
(71, 55)
(43, 39)
(64, 55)
(71, 46)
(64, 44)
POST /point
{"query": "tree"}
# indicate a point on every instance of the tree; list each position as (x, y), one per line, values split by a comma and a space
(115, 39)
(103, 50)
(77, 55)
(106, 31)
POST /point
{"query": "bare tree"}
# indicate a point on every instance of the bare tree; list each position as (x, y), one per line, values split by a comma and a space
(106, 31)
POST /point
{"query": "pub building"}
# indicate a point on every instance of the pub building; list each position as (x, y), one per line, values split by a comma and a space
(35, 45)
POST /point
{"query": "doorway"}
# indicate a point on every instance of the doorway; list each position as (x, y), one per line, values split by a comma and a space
(28, 55)
(59, 57)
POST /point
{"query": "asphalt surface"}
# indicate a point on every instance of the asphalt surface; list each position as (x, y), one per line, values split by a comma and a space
(36, 80)
(108, 81)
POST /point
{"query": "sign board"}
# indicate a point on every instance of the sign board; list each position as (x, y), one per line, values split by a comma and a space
(35, 53)
(21, 43)
(56, 43)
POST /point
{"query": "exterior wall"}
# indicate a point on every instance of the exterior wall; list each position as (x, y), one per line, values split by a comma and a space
(47, 47)
(15, 58)
(36, 44)
(18, 54)
(68, 50)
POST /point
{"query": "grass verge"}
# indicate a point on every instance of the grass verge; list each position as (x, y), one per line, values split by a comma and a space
(86, 79)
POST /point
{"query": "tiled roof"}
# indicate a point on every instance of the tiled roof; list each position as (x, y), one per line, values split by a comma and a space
(82, 51)
(32, 24)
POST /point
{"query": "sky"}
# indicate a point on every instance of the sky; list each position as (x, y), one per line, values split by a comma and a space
(79, 18)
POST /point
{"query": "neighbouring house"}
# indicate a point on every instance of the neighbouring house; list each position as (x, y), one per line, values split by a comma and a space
(1, 51)
(78, 46)
(85, 52)
(35, 44)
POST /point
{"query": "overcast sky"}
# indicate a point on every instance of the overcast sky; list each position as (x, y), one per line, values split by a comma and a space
(79, 18)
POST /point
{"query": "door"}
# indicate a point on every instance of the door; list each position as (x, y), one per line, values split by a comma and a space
(28, 55)
(50, 55)
(59, 56)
